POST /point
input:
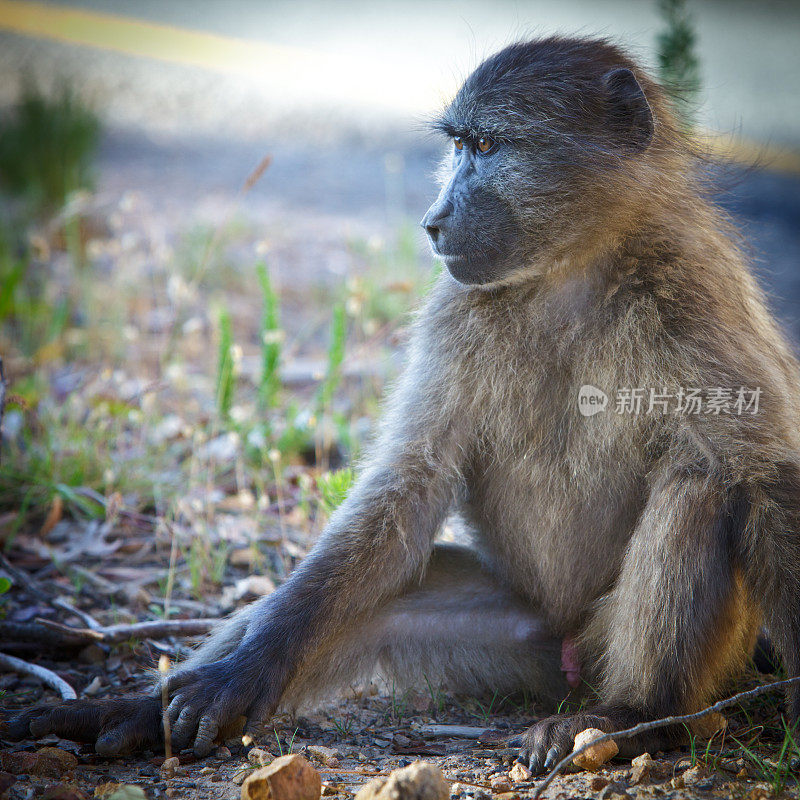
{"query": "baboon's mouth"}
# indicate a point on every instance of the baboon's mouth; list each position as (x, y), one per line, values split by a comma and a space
(450, 256)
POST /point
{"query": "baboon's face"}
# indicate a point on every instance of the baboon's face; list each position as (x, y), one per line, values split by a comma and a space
(472, 226)
(534, 131)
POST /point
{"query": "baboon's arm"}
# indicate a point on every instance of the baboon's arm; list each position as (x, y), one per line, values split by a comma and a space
(375, 544)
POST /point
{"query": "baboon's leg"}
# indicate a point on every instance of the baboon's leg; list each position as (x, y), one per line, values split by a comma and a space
(680, 620)
(770, 551)
(675, 626)
(458, 629)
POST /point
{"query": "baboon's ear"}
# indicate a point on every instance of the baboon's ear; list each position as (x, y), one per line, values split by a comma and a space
(629, 113)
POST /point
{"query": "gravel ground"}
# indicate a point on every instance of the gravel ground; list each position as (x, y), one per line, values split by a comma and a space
(369, 734)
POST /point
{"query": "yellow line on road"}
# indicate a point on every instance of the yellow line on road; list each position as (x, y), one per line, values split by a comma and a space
(748, 151)
(146, 39)
(257, 59)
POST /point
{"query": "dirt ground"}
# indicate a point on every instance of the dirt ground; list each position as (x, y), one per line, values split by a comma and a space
(369, 733)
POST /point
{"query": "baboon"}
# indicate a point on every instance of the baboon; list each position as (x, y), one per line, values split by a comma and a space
(582, 255)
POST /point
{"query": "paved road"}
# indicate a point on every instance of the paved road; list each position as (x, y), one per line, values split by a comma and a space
(767, 206)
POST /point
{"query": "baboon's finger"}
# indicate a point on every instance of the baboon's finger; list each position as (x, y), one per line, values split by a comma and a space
(121, 739)
(207, 730)
(18, 726)
(185, 726)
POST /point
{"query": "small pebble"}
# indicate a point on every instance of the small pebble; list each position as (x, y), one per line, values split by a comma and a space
(325, 755)
(643, 766)
(676, 782)
(519, 773)
(94, 686)
(420, 781)
(614, 791)
(596, 755)
(288, 777)
(695, 776)
(501, 785)
(733, 764)
(260, 758)
(46, 762)
(169, 768)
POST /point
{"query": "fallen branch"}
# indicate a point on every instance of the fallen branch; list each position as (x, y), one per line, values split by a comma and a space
(115, 634)
(665, 722)
(41, 635)
(69, 634)
(88, 620)
(54, 634)
(46, 676)
(457, 731)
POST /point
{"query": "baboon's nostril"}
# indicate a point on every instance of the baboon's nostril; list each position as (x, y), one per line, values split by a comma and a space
(434, 220)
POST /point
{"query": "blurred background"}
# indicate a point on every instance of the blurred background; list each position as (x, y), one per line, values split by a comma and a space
(209, 252)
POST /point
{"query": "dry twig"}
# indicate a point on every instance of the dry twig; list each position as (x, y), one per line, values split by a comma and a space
(88, 620)
(665, 722)
(46, 676)
(55, 635)
(456, 731)
(115, 634)
(12, 633)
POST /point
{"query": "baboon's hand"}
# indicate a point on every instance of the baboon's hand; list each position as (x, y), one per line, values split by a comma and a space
(114, 726)
(204, 702)
(544, 744)
(210, 698)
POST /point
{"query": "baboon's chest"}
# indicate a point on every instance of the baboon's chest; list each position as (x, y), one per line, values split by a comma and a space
(555, 494)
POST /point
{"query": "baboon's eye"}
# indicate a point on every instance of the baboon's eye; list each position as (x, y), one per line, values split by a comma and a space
(458, 142)
(485, 144)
